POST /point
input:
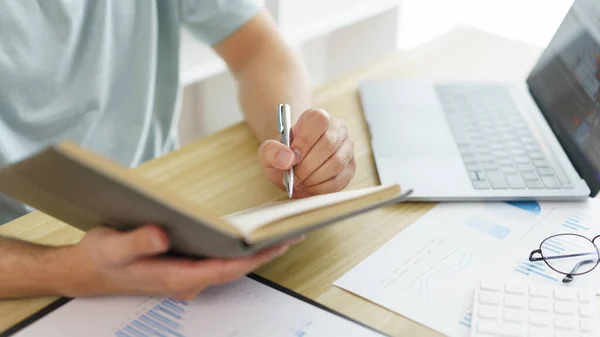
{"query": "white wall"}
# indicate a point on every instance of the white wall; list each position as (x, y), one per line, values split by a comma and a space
(530, 21)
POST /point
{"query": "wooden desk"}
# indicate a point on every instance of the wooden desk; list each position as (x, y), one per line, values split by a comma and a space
(222, 172)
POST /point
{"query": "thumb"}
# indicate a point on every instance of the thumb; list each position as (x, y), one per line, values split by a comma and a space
(120, 248)
(273, 154)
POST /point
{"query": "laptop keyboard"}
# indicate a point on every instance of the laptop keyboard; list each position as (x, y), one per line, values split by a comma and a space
(497, 147)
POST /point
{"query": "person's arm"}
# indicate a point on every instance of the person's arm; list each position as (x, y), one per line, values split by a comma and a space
(108, 262)
(268, 73)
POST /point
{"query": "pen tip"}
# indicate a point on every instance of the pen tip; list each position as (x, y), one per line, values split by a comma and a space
(289, 192)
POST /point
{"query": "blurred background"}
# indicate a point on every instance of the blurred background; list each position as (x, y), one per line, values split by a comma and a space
(336, 36)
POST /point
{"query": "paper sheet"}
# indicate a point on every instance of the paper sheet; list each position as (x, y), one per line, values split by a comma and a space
(428, 271)
(249, 220)
(242, 308)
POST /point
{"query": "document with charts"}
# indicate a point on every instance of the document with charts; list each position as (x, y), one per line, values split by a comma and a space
(242, 308)
(427, 272)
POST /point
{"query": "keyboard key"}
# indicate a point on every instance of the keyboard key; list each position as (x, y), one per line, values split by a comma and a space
(506, 330)
(534, 184)
(505, 162)
(489, 312)
(538, 319)
(565, 323)
(587, 325)
(535, 154)
(565, 334)
(496, 179)
(515, 316)
(480, 185)
(487, 297)
(529, 175)
(585, 296)
(514, 181)
(544, 171)
(521, 159)
(491, 285)
(473, 175)
(515, 288)
(539, 305)
(540, 163)
(509, 169)
(585, 311)
(540, 292)
(514, 301)
(551, 182)
(565, 308)
(535, 331)
(564, 294)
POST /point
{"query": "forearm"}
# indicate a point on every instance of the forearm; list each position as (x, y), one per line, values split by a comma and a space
(268, 73)
(268, 81)
(28, 270)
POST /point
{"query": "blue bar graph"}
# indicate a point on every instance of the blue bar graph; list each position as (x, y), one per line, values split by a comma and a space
(574, 223)
(536, 269)
(466, 321)
(162, 320)
(488, 227)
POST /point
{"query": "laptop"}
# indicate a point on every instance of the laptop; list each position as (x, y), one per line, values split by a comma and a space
(461, 141)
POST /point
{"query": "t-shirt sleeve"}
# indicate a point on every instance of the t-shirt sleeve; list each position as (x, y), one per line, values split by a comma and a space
(214, 20)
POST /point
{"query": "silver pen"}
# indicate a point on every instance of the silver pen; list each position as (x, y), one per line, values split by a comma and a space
(284, 121)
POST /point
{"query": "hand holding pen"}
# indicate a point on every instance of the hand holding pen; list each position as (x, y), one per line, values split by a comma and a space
(319, 158)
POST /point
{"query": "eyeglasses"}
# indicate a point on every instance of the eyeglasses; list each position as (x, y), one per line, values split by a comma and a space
(568, 254)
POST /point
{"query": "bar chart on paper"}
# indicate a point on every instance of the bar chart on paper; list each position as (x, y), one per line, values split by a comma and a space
(163, 319)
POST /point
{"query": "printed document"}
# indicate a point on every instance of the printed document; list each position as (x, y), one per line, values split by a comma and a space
(241, 308)
(427, 272)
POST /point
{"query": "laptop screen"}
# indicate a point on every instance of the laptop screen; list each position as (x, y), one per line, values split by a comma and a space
(566, 85)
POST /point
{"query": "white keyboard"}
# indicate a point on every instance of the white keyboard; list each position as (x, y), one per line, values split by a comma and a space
(519, 310)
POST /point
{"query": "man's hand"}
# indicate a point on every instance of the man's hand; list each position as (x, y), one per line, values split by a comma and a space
(321, 151)
(109, 262)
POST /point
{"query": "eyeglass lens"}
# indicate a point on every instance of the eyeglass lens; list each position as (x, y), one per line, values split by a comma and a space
(570, 254)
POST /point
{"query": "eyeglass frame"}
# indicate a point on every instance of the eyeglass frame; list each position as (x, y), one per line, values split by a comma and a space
(568, 276)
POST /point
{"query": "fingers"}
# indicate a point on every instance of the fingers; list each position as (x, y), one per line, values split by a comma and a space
(311, 125)
(274, 154)
(336, 183)
(329, 143)
(183, 278)
(120, 248)
(332, 166)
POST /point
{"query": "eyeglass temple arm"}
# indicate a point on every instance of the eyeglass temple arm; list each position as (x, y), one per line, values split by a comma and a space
(569, 277)
(542, 258)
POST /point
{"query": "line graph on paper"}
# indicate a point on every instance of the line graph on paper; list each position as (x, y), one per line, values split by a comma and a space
(433, 271)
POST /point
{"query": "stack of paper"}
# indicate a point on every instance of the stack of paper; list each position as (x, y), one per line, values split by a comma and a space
(427, 273)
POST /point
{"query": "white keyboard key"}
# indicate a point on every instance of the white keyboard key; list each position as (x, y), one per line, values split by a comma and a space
(563, 308)
(489, 298)
(539, 332)
(489, 312)
(538, 319)
(585, 297)
(565, 323)
(564, 294)
(539, 305)
(491, 285)
(514, 301)
(585, 311)
(505, 330)
(515, 316)
(514, 310)
(516, 288)
(540, 291)
(587, 325)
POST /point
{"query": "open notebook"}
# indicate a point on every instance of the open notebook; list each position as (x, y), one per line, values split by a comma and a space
(86, 190)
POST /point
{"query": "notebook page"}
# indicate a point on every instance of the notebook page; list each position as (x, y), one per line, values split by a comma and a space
(251, 219)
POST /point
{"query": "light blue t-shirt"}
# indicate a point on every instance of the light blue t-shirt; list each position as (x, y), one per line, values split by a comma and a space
(103, 73)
